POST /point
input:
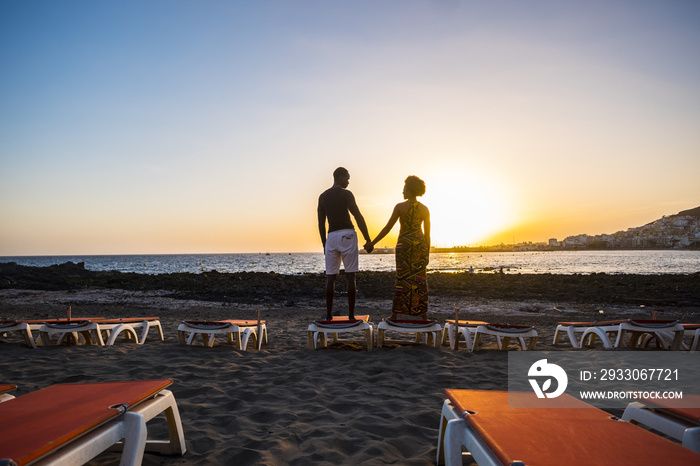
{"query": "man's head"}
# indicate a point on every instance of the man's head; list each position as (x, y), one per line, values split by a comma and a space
(341, 177)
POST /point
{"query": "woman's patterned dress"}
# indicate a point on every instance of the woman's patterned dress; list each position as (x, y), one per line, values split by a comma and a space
(411, 290)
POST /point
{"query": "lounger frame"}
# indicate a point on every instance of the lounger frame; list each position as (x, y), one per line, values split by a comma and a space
(123, 428)
(429, 334)
(683, 429)
(319, 333)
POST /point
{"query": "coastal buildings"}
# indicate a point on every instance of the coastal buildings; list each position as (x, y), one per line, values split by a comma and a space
(680, 231)
(672, 232)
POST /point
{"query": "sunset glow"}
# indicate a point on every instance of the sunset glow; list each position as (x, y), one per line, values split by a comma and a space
(467, 208)
(196, 127)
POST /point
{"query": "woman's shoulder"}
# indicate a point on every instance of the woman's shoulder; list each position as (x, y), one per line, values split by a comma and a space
(403, 206)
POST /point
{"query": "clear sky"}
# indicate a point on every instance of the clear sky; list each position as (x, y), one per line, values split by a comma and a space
(171, 126)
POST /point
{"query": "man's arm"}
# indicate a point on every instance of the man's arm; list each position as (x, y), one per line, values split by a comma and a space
(355, 211)
(321, 212)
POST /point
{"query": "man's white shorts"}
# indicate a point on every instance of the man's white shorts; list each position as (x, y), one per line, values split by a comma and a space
(342, 245)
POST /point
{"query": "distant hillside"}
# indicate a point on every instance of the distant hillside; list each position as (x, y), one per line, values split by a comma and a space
(692, 212)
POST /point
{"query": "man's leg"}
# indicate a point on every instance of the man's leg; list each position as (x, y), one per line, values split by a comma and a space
(352, 292)
(330, 292)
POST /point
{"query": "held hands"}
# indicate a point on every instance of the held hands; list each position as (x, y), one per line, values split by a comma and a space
(369, 247)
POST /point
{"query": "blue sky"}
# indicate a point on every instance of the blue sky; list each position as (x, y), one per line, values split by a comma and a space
(212, 126)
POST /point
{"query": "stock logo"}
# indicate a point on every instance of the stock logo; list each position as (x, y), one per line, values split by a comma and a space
(542, 370)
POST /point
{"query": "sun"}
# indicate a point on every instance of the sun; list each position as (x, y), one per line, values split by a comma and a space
(466, 207)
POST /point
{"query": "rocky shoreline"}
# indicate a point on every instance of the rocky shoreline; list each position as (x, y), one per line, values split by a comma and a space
(680, 291)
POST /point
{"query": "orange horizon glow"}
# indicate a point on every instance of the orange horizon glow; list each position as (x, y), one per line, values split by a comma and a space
(213, 127)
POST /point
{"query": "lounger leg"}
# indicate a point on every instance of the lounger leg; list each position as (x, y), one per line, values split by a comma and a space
(503, 343)
(677, 341)
(380, 338)
(555, 341)
(448, 414)
(135, 439)
(159, 327)
(620, 339)
(454, 432)
(452, 338)
(477, 342)
(129, 334)
(533, 343)
(312, 343)
(243, 339)
(572, 337)
(165, 403)
(691, 439)
(696, 341)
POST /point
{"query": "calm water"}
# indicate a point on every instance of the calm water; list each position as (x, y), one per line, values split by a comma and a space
(560, 262)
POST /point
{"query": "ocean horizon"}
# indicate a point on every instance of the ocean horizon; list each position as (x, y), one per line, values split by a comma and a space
(537, 262)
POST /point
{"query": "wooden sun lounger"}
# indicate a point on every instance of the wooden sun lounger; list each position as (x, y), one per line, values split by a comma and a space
(319, 331)
(431, 330)
(236, 331)
(573, 434)
(670, 418)
(70, 424)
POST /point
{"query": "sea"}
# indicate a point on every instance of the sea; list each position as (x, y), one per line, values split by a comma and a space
(555, 262)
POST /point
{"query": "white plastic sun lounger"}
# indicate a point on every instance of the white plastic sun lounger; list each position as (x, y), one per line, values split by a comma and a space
(234, 333)
(129, 327)
(54, 334)
(465, 330)
(427, 331)
(504, 333)
(320, 330)
(632, 331)
(22, 328)
(573, 433)
(69, 424)
(691, 333)
(572, 329)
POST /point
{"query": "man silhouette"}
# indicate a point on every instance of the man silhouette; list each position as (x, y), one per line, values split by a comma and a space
(335, 205)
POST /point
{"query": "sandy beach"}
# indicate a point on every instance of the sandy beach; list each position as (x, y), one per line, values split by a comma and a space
(287, 404)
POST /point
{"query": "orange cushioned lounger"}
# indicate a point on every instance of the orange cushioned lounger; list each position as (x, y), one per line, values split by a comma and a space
(40, 423)
(4, 388)
(320, 330)
(577, 434)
